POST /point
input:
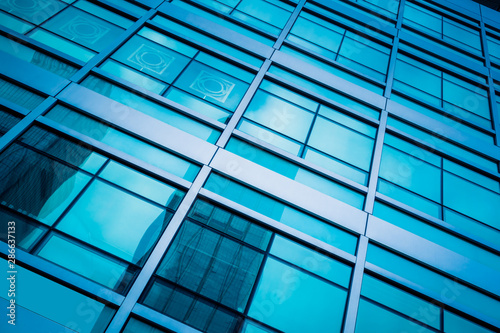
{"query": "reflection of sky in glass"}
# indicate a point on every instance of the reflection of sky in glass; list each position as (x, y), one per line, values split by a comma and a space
(293, 301)
(54, 301)
(139, 183)
(62, 197)
(114, 221)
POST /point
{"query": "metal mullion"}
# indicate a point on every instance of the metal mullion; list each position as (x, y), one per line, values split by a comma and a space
(18, 129)
(495, 116)
(289, 24)
(355, 288)
(245, 101)
(376, 162)
(156, 255)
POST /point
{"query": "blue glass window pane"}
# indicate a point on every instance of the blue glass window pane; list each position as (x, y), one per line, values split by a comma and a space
(372, 318)
(449, 291)
(134, 326)
(14, 23)
(83, 28)
(471, 200)
(18, 95)
(411, 173)
(36, 185)
(36, 58)
(85, 262)
(128, 230)
(32, 11)
(456, 324)
(141, 184)
(213, 265)
(269, 136)
(128, 144)
(282, 213)
(104, 13)
(62, 44)
(151, 58)
(190, 308)
(311, 260)
(212, 85)
(341, 142)
(294, 301)
(279, 115)
(27, 231)
(57, 303)
(130, 75)
(151, 108)
(401, 301)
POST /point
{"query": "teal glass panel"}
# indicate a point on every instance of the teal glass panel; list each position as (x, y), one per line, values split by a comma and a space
(282, 213)
(471, 200)
(276, 14)
(293, 301)
(191, 309)
(14, 23)
(312, 261)
(335, 70)
(409, 198)
(74, 153)
(151, 58)
(18, 95)
(213, 265)
(58, 303)
(336, 166)
(474, 227)
(415, 76)
(436, 235)
(473, 101)
(270, 137)
(292, 171)
(251, 327)
(37, 186)
(335, 96)
(432, 140)
(231, 224)
(104, 13)
(128, 144)
(126, 73)
(167, 41)
(449, 291)
(212, 85)
(456, 324)
(62, 44)
(27, 231)
(225, 23)
(128, 231)
(83, 28)
(224, 66)
(150, 108)
(85, 262)
(327, 36)
(198, 105)
(279, 115)
(401, 301)
(444, 118)
(289, 95)
(134, 326)
(32, 11)
(36, 58)
(7, 121)
(411, 173)
(201, 38)
(341, 142)
(372, 318)
(471, 175)
(139, 183)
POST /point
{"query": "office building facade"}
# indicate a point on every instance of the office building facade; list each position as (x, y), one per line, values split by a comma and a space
(249, 166)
